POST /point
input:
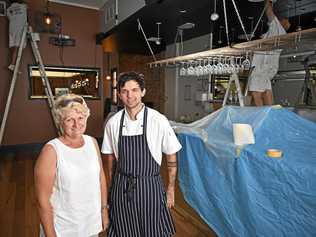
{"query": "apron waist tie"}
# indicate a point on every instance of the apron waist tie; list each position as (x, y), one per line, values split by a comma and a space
(131, 182)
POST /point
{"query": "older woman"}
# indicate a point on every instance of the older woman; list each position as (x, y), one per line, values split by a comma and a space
(69, 179)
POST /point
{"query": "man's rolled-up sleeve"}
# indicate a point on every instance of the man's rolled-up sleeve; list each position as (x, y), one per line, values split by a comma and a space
(170, 142)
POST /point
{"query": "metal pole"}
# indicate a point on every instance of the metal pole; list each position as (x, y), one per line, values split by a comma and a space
(226, 23)
(240, 21)
(141, 28)
(240, 95)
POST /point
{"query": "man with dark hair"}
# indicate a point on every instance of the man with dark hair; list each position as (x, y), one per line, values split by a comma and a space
(139, 78)
(136, 137)
(266, 64)
(17, 15)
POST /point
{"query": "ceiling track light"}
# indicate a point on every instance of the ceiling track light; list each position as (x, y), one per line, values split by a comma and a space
(157, 39)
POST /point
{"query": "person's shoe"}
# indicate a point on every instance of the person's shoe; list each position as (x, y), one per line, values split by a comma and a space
(11, 67)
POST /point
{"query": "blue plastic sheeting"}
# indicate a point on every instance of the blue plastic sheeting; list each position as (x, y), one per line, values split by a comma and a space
(253, 194)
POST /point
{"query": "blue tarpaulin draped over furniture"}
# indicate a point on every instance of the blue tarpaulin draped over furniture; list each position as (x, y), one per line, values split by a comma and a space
(253, 194)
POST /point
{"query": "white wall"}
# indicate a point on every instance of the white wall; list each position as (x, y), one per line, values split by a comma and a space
(171, 87)
(176, 106)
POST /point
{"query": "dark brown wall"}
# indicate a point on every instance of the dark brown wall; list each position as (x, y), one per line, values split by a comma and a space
(29, 121)
(123, 62)
(110, 62)
(154, 77)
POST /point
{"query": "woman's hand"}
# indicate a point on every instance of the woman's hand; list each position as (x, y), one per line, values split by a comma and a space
(105, 218)
(170, 197)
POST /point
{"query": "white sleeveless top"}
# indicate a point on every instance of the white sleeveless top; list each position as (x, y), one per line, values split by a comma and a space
(76, 197)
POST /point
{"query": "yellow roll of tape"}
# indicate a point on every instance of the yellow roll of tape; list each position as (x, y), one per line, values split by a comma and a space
(274, 153)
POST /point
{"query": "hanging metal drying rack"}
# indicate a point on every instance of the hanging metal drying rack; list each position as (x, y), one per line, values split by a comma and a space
(289, 43)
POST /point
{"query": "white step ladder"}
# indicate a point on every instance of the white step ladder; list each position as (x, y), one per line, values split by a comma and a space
(234, 78)
(28, 33)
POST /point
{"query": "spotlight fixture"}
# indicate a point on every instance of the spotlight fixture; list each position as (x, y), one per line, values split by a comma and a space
(157, 39)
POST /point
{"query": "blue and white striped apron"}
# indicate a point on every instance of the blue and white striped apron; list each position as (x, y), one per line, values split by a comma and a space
(138, 205)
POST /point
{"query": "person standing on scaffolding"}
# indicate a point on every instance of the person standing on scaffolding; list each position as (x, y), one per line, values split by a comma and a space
(266, 64)
(17, 15)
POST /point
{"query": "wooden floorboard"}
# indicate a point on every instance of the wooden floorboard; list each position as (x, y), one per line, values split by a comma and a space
(7, 207)
(18, 176)
(31, 216)
(6, 163)
(19, 217)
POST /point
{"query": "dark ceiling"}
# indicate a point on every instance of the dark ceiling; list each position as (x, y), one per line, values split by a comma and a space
(130, 40)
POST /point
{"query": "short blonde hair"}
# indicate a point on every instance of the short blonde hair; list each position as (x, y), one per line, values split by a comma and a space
(68, 102)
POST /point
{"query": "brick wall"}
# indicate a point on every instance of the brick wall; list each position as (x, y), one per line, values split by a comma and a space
(154, 77)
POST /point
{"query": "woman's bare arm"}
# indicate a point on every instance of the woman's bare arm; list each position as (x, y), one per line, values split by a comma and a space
(44, 178)
(104, 192)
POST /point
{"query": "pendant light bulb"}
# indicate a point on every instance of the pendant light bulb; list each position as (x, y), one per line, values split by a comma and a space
(214, 16)
(48, 20)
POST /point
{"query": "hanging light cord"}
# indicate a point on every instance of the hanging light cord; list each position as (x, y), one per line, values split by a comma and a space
(142, 30)
(262, 13)
(242, 24)
(226, 23)
(240, 21)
